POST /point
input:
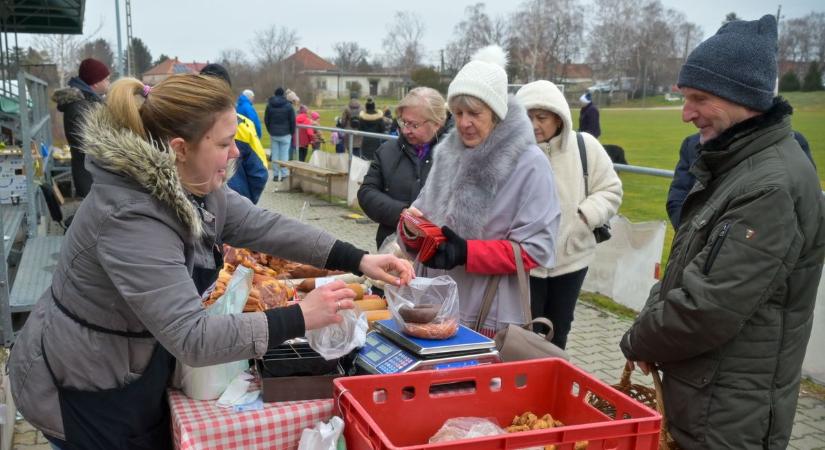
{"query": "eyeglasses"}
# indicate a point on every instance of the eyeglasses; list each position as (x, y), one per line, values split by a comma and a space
(411, 125)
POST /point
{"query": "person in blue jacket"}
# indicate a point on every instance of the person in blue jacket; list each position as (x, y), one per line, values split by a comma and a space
(683, 180)
(251, 170)
(246, 108)
(250, 174)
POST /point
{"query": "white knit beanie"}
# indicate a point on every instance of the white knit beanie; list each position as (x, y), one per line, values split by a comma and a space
(484, 77)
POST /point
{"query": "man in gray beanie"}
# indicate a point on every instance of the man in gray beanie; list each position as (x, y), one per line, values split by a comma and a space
(729, 322)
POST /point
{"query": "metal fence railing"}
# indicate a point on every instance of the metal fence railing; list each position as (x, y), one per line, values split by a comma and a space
(626, 168)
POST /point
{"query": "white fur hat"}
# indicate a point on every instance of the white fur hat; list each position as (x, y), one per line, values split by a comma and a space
(248, 93)
(484, 77)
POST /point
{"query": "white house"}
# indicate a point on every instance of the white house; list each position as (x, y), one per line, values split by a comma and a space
(331, 82)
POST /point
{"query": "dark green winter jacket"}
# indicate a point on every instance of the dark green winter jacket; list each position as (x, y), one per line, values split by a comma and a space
(729, 323)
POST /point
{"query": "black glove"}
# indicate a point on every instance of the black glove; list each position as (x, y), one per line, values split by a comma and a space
(449, 254)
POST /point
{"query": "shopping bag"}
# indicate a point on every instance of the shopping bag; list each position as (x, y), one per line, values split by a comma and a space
(208, 383)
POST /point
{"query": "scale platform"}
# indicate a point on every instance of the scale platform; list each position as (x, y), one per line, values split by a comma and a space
(387, 350)
(465, 340)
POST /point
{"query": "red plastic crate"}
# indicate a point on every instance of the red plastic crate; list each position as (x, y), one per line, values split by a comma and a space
(402, 411)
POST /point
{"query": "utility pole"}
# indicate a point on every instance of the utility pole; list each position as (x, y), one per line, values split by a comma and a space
(778, 13)
(119, 63)
(442, 61)
(130, 53)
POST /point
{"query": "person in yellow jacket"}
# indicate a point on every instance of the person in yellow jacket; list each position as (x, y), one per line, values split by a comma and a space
(251, 168)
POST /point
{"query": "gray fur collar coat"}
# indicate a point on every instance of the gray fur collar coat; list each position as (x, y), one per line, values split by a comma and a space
(501, 190)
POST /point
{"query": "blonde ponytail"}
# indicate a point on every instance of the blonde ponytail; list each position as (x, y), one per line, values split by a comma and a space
(124, 101)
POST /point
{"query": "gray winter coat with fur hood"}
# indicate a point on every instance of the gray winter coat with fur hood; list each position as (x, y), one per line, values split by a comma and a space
(126, 264)
(502, 189)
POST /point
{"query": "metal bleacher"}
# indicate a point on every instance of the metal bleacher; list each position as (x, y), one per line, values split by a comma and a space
(32, 251)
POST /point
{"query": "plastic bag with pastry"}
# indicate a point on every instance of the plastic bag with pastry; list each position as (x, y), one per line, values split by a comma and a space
(427, 308)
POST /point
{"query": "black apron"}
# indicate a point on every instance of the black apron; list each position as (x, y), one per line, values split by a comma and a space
(135, 416)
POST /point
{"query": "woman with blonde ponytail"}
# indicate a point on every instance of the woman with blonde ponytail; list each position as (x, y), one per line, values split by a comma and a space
(91, 366)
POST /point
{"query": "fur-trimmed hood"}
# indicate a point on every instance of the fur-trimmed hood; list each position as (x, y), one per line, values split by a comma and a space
(76, 91)
(464, 182)
(121, 151)
(372, 117)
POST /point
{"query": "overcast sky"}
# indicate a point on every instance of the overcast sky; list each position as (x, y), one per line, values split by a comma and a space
(197, 30)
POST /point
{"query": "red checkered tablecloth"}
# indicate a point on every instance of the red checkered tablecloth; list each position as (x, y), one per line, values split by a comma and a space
(198, 424)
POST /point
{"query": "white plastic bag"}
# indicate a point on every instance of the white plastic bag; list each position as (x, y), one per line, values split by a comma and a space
(208, 383)
(466, 428)
(427, 308)
(323, 436)
(336, 340)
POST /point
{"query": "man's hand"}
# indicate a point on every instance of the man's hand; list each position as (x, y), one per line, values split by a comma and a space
(645, 367)
(387, 268)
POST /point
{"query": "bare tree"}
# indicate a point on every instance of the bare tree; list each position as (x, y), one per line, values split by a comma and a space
(476, 30)
(403, 42)
(688, 37)
(241, 70)
(273, 44)
(63, 50)
(641, 40)
(545, 35)
(611, 37)
(349, 55)
(802, 39)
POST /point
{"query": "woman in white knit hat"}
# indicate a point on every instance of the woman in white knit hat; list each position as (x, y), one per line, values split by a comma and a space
(555, 289)
(490, 185)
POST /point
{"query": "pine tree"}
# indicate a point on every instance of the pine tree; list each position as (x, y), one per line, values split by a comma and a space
(813, 78)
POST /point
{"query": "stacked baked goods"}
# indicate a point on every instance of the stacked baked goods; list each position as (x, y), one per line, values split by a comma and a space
(271, 287)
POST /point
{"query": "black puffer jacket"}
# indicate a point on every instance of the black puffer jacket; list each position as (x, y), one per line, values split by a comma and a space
(730, 321)
(372, 123)
(393, 182)
(279, 117)
(73, 101)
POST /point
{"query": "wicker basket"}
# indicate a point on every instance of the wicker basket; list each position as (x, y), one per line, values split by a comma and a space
(650, 397)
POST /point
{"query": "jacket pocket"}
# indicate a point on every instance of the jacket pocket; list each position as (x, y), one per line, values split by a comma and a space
(718, 240)
(581, 237)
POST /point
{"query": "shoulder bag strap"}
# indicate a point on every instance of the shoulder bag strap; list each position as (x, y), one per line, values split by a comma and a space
(523, 286)
(524, 291)
(583, 156)
(489, 294)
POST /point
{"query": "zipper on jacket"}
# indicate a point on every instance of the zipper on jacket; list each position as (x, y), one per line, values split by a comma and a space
(716, 246)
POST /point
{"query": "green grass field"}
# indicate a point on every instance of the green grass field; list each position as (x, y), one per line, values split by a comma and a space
(651, 138)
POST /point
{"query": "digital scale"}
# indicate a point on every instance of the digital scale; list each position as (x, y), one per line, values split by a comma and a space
(388, 350)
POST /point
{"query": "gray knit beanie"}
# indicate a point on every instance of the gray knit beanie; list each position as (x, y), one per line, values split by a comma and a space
(738, 63)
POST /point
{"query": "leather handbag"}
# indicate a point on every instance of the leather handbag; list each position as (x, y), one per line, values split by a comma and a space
(518, 343)
(601, 233)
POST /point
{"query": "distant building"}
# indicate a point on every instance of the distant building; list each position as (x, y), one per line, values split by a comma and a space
(328, 81)
(572, 73)
(169, 67)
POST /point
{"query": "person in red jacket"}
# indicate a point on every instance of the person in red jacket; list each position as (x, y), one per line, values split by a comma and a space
(305, 135)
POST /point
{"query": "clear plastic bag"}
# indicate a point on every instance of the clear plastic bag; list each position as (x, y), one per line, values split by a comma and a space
(209, 382)
(427, 308)
(466, 428)
(336, 340)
